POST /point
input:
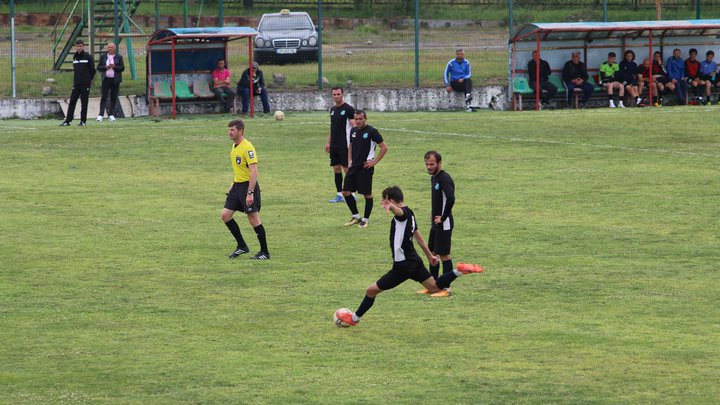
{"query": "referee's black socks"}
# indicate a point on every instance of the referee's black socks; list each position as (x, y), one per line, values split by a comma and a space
(235, 231)
(260, 232)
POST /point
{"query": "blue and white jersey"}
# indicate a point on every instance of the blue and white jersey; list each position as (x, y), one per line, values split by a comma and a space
(457, 70)
(363, 141)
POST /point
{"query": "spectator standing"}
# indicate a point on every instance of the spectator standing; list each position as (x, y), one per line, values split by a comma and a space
(547, 89)
(609, 80)
(111, 66)
(243, 88)
(574, 74)
(675, 67)
(457, 77)
(221, 85)
(83, 73)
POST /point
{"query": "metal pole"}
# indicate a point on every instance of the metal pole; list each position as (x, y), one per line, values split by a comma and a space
(185, 15)
(117, 24)
(128, 41)
(697, 9)
(220, 13)
(604, 10)
(320, 30)
(417, 44)
(510, 19)
(12, 45)
(157, 15)
(651, 79)
(538, 86)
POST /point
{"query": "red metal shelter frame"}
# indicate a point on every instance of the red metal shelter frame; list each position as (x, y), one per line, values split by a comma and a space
(175, 36)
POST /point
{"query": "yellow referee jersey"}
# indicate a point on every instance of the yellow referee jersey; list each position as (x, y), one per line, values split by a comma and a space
(242, 156)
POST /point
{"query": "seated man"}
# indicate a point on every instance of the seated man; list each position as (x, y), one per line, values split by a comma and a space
(628, 75)
(692, 73)
(609, 81)
(221, 85)
(547, 89)
(675, 69)
(457, 76)
(660, 75)
(708, 74)
(647, 70)
(243, 88)
(574, 74)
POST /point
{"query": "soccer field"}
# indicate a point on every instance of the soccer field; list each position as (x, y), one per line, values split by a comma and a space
(598, 231)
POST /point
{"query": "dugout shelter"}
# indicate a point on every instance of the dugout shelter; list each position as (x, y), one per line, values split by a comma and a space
(554, 43)
(180, 58)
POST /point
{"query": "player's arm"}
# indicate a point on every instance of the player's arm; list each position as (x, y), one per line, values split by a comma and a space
(449, 191)
(350, 155)
(392, 207)
(327, 144)
(433, 259)
(251, 184)
(378, 158)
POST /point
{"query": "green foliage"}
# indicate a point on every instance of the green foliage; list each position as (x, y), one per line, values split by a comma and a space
(596, 229)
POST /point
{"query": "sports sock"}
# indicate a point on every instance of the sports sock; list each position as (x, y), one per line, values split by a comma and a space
(368, 207)
(260, 232)
(338, 181)
(447, 266)
(435, 271)
(447, 278)
(352, 204)
(365, 305)
(235, 231)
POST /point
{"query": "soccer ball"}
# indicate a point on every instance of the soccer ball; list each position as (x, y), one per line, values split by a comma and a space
(338, 322)
(279, 115)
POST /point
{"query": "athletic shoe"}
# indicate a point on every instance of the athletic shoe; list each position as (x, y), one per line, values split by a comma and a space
(469, 109)
(352, 221)
(239, 251)
(423, 291)
(363, 224)
(442, 294)
(347, 318)
(467, 268)
(337, 199)
(111, 118)
(82, 124)
(99, 118)
(65, 124)
(261, 256)
(468, 97)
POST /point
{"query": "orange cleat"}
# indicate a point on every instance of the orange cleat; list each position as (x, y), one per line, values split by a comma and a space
(467, 268)
(346, 317)
(442, 294)
(423, 291)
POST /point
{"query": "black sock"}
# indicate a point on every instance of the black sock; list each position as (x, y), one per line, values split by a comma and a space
(435, 271)
(338, 181)
(352, 204)
(446, 279)
(235, 231)
(260, 232)
(447, 266)
(365, 305)
(368, 207)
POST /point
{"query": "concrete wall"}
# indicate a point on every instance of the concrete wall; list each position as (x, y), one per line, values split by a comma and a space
(436, 99)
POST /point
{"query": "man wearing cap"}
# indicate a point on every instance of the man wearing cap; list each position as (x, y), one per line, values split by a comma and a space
(243, 88)
(83, 73)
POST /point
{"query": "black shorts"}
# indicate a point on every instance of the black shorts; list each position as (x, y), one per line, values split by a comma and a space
(359, 179)
(339, 156)
(401, 271)
(235, 200)
(440, 240)
(662, 80)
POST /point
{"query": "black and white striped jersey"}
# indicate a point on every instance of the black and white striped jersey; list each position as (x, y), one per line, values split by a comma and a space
(402, 229)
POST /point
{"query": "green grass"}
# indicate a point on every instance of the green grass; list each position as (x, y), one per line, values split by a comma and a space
(597, 230)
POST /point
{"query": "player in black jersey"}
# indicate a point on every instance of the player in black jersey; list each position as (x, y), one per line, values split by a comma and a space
(342, 119)
(443, 200)
(361, 162)
(406, 262)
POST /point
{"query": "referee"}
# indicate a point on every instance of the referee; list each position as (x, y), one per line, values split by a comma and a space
(443, 199)
(244, 193)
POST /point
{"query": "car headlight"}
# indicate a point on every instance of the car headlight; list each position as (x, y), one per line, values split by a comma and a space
(259, 42)
(312, 41)
(268, 43)
(304, 42)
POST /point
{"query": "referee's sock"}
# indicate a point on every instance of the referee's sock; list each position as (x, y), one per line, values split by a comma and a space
(235, 231)
(352, 204)
(365, 305)
(435, 271)
(368, 207)
(338, 182)
(260, 232)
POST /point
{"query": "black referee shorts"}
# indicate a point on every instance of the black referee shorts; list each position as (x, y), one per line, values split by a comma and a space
(440, 241)
(235, 200)
(401, 271)
(339, 156)
(359, 179)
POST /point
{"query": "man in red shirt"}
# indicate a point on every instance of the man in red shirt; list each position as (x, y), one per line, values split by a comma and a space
(221, 85)
(692, 72)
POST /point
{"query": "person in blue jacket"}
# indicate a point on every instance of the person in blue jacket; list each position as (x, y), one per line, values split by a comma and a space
(457, 76)
(675, 67)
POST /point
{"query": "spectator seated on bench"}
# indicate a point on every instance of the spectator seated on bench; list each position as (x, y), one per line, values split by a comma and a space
(574, 75)
(457, 77)
(221, 85)
(548, 89)
(243, 88)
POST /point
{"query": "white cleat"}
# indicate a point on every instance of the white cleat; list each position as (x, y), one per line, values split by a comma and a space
(111, 118)
(99, 118)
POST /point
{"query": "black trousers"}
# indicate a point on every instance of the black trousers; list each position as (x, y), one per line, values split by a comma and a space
(465, 87)
(108, 87)
(547, 90)
(81, 91)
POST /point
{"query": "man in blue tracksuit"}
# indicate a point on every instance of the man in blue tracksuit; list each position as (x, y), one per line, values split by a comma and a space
(457, 76)
(675, 67)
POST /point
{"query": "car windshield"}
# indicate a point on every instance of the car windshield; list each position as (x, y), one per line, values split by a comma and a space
(284, 22)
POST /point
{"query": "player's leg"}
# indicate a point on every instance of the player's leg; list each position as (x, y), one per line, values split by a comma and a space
(393, 278)
(74, 96)
(365, 177)
(338, 161)
(84, 98)
(231, 205)
(253, 215)
(349, 187)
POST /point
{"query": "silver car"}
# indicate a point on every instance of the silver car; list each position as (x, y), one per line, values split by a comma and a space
(286, 37)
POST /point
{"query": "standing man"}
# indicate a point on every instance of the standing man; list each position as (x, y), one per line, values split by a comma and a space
(244, 193)
(221, 85)
(361, 163)
(547, 89)
(111, 66)
(341, 122)
(457, 77)
(83, 73)
(574, 74)
(442, 192)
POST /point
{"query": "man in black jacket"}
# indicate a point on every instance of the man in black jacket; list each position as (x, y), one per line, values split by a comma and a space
(574, 74)
(243, 88)
(547, 89)
(111, 66)
(84, 71)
